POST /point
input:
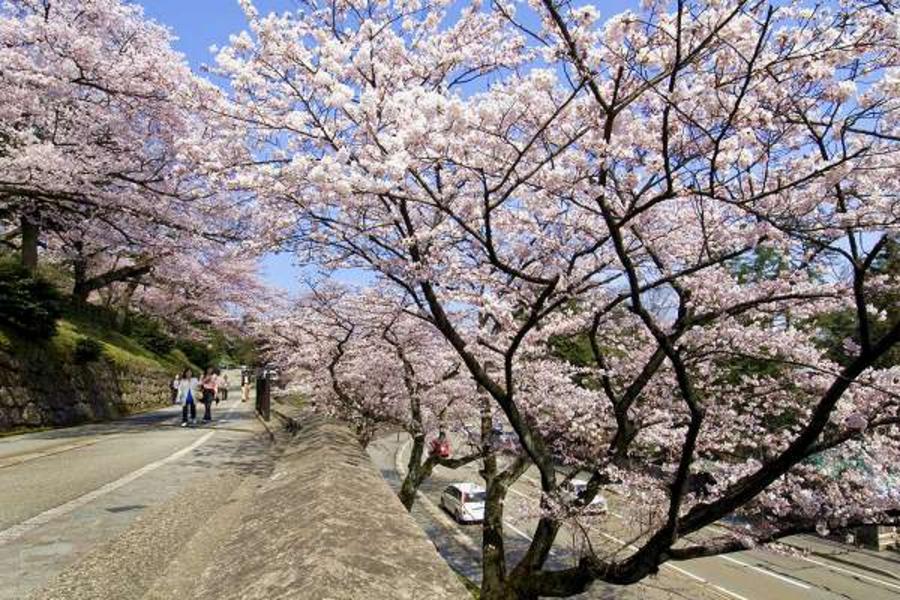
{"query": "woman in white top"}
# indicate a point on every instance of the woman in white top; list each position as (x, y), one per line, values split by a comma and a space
(188, 392)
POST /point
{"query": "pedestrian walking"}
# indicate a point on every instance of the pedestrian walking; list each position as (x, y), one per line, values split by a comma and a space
(173, 388)
(218, 378)
(223, 387)
(187, 397)
(245, 385)
(208, 389)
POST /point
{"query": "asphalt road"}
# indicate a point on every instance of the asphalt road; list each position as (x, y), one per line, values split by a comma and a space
(813, 569)
(64, 491)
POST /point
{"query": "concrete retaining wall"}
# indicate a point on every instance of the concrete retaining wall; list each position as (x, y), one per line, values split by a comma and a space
(326, 526)
(36, 392)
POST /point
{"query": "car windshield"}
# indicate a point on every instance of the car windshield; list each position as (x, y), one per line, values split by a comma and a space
(474, 497)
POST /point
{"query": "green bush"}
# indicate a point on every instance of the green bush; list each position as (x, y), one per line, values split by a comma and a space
(29, 304)
(149, 334)
(87, 350)
(197, 352)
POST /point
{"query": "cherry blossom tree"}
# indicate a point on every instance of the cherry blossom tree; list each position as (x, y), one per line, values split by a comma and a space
(98, 116)
(361, 358)
(535, 175)
(101, 126)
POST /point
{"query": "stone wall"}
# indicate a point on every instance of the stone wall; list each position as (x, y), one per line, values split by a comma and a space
(39, 390)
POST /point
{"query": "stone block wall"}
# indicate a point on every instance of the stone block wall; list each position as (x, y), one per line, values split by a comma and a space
(42, 391)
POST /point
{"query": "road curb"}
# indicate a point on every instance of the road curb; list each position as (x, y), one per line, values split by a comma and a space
(290, 423)
(267, 427)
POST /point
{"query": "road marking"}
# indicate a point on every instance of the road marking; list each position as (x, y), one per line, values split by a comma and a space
(728, 592)
(29, 456)
(854, 573)
(676, 568)
(519, 531)
(16, 531)
(721, 556)
(685, 572)
(520, 494)
(764, 571)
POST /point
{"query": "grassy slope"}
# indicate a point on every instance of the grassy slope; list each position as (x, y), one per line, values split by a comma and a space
(120, 349)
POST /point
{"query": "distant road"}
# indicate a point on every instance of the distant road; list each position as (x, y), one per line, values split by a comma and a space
(828, 572)
(64, 491)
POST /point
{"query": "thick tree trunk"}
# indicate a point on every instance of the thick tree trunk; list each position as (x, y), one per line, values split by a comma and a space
(30, 234)
(84, 285)
(493, 552)
(124, 303)
(80, 290)
(494, 585)
(413, 472)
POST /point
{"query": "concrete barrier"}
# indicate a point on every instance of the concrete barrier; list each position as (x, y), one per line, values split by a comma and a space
(325, 526)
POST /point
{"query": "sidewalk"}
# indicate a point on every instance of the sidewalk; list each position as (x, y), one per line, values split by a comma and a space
(318, 522)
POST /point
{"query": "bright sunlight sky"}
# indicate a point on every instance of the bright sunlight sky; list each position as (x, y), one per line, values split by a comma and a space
(200, 24)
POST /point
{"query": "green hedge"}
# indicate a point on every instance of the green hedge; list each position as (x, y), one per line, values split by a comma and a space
(29, 304)
(87, 350)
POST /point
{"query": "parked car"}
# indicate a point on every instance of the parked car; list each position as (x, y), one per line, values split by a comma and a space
(506, 441)
(465, 501)
(576, 487)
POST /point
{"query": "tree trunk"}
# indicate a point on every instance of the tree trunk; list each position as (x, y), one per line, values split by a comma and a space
(30, 234)
(80, 291)
(413, 472)
(493, 552)
(124, 303)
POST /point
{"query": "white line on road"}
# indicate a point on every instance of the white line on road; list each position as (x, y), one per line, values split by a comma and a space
(684, 572)
(402, 472)
(765, 572)
(22, 458)
(437, 513)
(518, 531)
(16, 531)
(678, 569)
(728, 592)
(520, 494)
(762, 570)
(849, 572)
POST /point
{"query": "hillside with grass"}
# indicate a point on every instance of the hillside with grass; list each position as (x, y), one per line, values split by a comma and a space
(63, 362)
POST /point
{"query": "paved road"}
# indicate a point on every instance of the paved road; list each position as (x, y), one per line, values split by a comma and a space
(827, 571)
(63, 492)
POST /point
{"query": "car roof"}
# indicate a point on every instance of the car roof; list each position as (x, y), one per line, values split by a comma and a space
(467, 487)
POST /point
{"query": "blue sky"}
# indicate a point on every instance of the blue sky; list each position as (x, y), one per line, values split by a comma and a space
(200, 24)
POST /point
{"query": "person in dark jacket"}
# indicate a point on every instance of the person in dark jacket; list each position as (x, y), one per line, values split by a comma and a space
(208, 387)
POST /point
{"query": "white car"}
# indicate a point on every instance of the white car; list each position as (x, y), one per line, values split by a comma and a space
(576, 487)
(465, 501)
